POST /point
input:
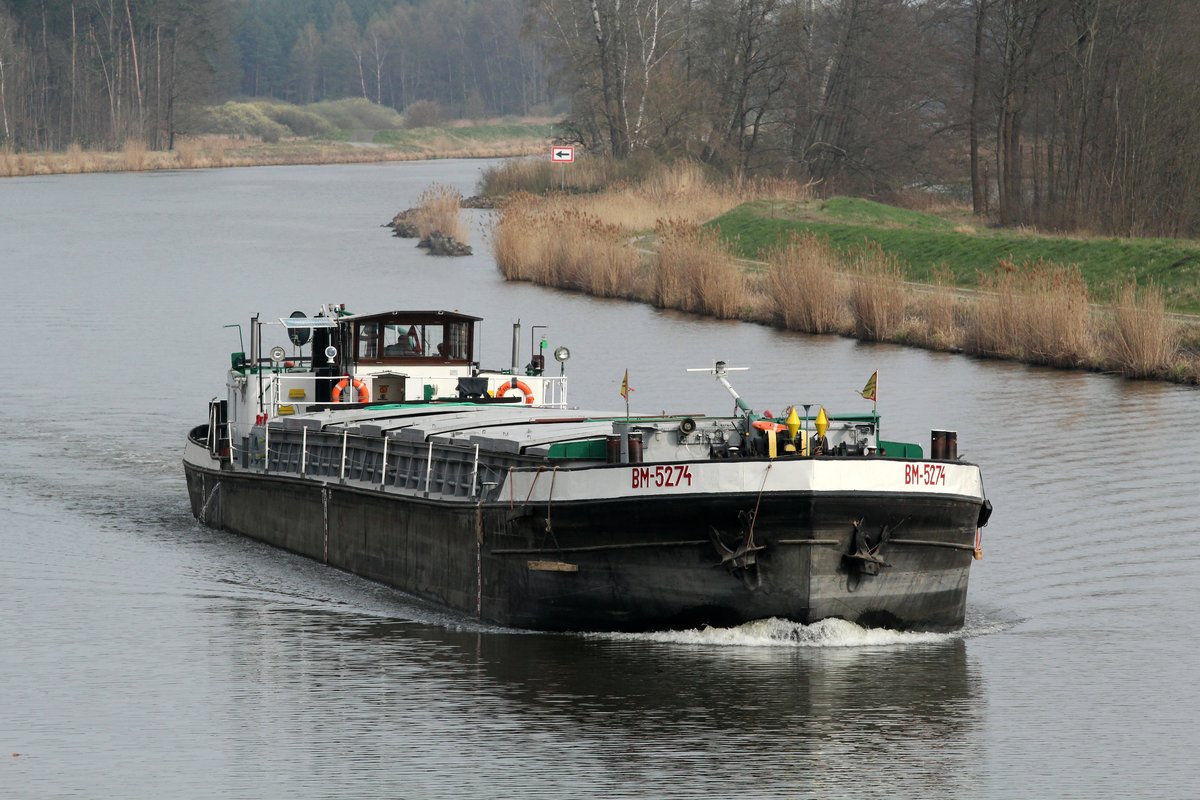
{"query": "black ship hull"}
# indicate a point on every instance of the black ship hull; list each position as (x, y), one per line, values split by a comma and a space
(879, 559)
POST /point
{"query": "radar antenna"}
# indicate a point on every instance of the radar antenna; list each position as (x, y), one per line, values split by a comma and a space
(719, 370)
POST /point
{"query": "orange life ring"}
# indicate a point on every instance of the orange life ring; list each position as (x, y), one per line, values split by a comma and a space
(516, 384)
(364, 394)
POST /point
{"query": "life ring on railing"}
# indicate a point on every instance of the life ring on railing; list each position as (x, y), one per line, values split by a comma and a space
(364, 394)
(516, 384)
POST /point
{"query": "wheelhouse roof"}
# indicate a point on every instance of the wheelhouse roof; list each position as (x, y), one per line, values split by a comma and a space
(419, 317)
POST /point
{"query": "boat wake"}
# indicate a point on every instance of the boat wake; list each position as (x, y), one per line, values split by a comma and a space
(775, 632)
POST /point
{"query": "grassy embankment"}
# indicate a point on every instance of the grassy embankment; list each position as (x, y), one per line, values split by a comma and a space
(888, 274)
(260, 133)
(961, 250)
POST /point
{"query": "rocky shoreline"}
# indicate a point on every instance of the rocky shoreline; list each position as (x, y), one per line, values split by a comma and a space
(404, 226)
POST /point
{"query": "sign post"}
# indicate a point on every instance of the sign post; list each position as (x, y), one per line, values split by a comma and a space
(562, 154)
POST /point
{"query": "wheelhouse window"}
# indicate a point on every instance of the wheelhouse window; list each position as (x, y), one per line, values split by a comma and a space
(458, 340)
(368, 341)
(438, 340)
(403, 341)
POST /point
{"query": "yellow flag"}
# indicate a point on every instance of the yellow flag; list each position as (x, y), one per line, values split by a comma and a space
(625, 390)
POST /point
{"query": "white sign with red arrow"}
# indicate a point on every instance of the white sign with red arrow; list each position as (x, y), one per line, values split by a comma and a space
(563, 154)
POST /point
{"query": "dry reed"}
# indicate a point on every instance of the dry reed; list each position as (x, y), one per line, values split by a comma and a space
(187, 152)
(1036, 312)
(768, 188)
(936, 306)
(634, 194)
(134, 155)
(668, 181)
(16, 165)
(697, 272)
(634, 210)
(877, 295)
(1143, 341)
(538, 176)
(807, 291)
(569, 249)
(594, 257)
(438, 212)
(516, 243)
(76, 161)
(225, 151)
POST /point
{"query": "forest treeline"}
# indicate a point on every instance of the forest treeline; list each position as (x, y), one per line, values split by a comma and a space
(1059, 113)
(99, 72)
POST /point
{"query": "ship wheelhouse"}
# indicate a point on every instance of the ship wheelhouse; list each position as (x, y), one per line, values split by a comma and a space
(412, 339)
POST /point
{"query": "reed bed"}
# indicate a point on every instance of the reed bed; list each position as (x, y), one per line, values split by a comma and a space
(697, 272)
(539, 176)
(133, 155)
(877, 297)
(12, 164)
(75, 158)
(437, 211)
(937, 307)
(1038, 312)
(188, 153)
(634, 210)
(1143, 341)
(589, 243)
(634, 194)
(594, 257)
(806, 287)
(208, 151)
(568, 249)
(518, 239)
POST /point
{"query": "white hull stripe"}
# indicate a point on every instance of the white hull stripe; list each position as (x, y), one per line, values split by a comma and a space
(880, 476)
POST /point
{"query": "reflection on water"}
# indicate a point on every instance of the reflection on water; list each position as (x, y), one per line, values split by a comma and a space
(537, 714)
(145, 656)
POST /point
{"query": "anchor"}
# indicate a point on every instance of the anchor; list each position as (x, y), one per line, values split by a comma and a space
(742, 561)
(864, 558)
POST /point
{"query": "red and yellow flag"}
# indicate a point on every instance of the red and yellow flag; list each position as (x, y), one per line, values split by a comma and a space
(625, 390)
(868, 391)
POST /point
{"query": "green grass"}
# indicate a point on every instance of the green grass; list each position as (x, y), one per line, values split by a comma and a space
(414, 138)
(354, 120)
(512, 130)
(923, 242)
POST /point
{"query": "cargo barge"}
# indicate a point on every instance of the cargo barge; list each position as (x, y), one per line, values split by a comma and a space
(379, 446)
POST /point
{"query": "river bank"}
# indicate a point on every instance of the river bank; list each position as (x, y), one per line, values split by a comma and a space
(212, 151)
(655, 243)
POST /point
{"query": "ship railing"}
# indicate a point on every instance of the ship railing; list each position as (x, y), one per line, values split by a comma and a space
(278, 388)
(554, 391)
(278, 391)
(385, 462)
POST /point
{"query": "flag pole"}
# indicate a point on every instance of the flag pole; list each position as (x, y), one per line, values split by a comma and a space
(875, 408)
(625, 390)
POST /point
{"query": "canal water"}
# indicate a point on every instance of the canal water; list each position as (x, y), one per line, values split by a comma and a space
(144, 656)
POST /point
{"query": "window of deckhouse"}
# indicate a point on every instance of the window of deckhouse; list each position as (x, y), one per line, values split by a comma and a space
(458, 338)
(368, 341)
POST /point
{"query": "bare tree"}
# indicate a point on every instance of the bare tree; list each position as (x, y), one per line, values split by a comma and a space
(612, 51)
